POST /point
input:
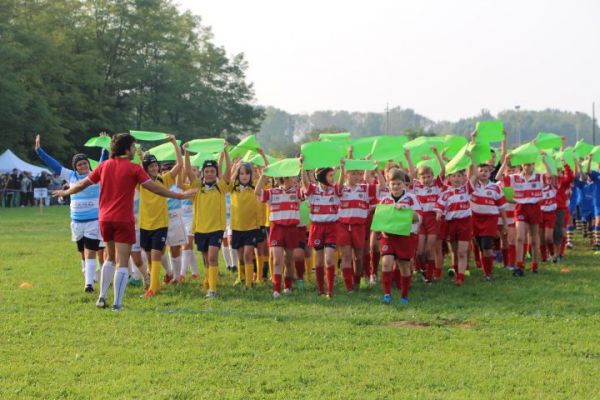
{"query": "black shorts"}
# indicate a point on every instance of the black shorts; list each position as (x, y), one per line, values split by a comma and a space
(153, 240)
(240, 239)
(203, 240)
(262, 234)
(87, 243)
(485, 242)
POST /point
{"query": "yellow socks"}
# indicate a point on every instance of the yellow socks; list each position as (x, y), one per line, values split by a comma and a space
(249, 269)
(155, 267)
(259, 265)
(213, 276)
(240, 271)
(205, 282)
(308, 261)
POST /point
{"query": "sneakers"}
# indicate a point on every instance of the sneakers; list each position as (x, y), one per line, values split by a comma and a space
(195, 277)
(238, 282)
(387, 298)
(300, 284)
(487, 278)
(101, 303)
(149, 293)
(146, 281)
(404, 300)
(134, 282)
(518, 272)
(467, 273)
(570, 245)
(451, 272)
(168, 278)
(287, 291)
(211, 295)
(117, 308)
(276, 295)
(89, 289)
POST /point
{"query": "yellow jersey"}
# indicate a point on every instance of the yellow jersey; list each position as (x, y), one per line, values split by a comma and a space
(209, 207)
(244, 209)
(153, 208)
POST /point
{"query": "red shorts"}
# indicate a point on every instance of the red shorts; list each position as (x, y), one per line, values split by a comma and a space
(351, 235)
(460, 230)
(302, 233)
(286, 236)
(485, 225)
(443, 234)
(529, 213)
(401, 247)
(322, 234)
(429, 224)
(120, 232)
(548, 219)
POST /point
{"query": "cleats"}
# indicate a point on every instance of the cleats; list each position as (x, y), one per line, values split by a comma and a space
(276, 295)
(451, 272)
(149, 293)
(487, 278)
(287, 291)
(168, 278)
(238, 282)
(89, 289)
(404, 300)
(195, 277)
(300, 284)
(101, 303)
(387, 298)
(211, 295)
(518, 272)
(134, 282)
(117, 308)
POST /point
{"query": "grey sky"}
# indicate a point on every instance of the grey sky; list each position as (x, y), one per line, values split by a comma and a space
(445, 59)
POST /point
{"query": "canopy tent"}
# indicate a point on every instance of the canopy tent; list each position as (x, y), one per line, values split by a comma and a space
(9, 161)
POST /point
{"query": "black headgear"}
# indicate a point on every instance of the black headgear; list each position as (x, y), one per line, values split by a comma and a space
(148, 159)
(321, 174)
(210, 163)
(78, 157)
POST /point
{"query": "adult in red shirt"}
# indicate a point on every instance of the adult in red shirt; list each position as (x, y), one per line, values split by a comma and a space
(119, 178)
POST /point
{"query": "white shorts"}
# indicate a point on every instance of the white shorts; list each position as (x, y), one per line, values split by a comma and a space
(90, 230)
(188, 223)
(177, 234)
(136, 246)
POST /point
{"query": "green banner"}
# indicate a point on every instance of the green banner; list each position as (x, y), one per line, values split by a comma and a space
(335, 137)
(583, 149)
(165, 151)
(547, 140)
(453, 144)
(509, 193)
(459, 162)
(206, 146)
(527, 153)
(147, 136)
(321, 154)
(489, 131)
(287, 167)
(99, 141)
(389, 148)
(389, 219)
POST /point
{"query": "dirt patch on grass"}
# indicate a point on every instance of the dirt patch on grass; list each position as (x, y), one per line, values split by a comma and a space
(442, 323)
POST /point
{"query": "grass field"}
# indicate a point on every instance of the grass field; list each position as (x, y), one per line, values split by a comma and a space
(531, 337)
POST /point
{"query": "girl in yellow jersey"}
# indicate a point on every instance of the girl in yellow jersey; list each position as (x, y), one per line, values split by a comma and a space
(209, 212)
(154, 217)
(244, 217)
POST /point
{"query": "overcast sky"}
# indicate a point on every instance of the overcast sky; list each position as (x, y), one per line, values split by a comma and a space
(445, 59)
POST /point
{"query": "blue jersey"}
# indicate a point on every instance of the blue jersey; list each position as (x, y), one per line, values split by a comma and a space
(586, 197)
(595, 177)
(174, 205)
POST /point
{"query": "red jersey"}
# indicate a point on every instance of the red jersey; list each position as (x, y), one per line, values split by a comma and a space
(527, 190)
(427, 195)
(118, 177)
(455, 202)
(563, 194)
(355, 202)
(284, 205)
(487, 199)
(324, 202)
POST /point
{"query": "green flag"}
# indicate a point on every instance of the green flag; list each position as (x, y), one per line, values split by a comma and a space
(453, 144)
(568, 154)
(389, 219)
(433, 164)
(389, 148)
(583, 149)
(480, 152)
(547, 140)
(249, 143)
(285, 168)
(509, 193)
(256, 159)
(420, 148)
(198, 159)
(99, 141)
(527, 153)
(362, 147)
(165, 151)
(595, 154)
(489, 131)
(343, 137)
(93, 164)
(541, 168)
(321, 155)
(207, 146)
(147, 136)
(359, 165)
(459, 162)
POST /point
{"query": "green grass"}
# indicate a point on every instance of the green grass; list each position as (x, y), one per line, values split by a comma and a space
(532, 337)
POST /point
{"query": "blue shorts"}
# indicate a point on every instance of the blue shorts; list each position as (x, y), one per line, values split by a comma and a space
(155, 239)
(240, 239)
(204, 240)
(587, 215)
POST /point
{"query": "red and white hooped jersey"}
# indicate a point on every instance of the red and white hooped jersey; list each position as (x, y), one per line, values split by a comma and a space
(381, 192)
(487, 199)
(527, 191)
(407, 200)
(510, 209)
(284, 205)
(324, 202)
(427, 195)
(455, 202)
(548, 202)
(355, 203)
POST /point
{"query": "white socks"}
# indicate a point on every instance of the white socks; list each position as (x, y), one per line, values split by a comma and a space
(188, 259)
(135, 272)
(108, 269)
(120, 284)
(83, 267)
(176, 265)
(90, 271)
(166, 264)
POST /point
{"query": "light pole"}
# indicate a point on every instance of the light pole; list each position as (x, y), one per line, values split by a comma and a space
(518, 107)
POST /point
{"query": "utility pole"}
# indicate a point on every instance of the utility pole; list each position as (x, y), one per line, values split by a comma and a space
(387, 118)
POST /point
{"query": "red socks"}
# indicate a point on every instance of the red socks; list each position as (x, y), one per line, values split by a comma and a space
(300, 268)
(512, 254)
(488, 265)
(348, 275)
(330, 274)
(320, 275)
(459, 279)
(429, 268)
(544, 251)
(477, 255)
(277, 283)
(534, 266)
(397, 279)
(287, 282)
(405, 285)
(386, 282)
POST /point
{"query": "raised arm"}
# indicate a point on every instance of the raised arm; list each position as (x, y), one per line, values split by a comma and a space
(304, 175)
(504, 146)
(227, 173)
(54, 165)
(188, 165)
(260, 184)
(504, 167)
(178, 159)
(342, 172)
(261, 152)
(549, 173)
(411, 166)
(440, 161)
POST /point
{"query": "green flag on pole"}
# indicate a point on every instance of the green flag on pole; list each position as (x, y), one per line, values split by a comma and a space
(389, 219)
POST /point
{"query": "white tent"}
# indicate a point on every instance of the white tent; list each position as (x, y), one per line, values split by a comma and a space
(9, 161)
